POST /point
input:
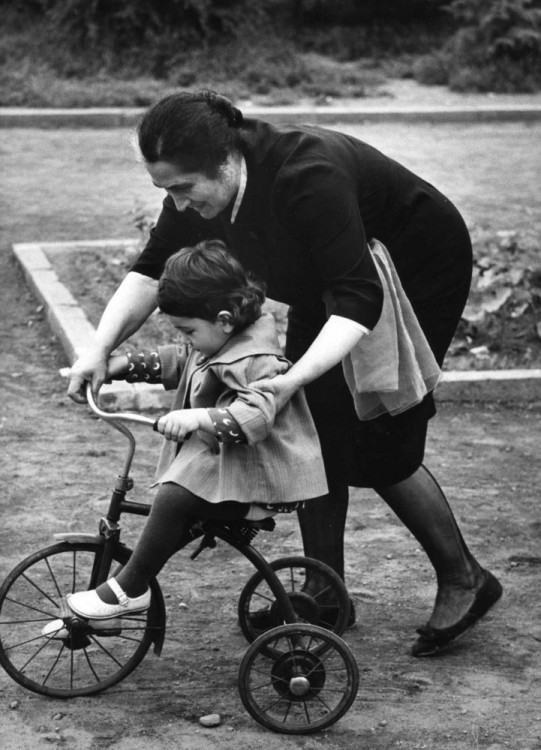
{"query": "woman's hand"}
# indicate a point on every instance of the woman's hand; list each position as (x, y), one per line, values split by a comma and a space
(91, 366)
(128, 308)
(282, 388)
(178, 424)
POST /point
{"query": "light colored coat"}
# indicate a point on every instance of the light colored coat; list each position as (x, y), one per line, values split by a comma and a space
(281, 459)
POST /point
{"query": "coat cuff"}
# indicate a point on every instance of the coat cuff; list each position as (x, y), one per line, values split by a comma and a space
(253, 423)
(227, 428)
(171, 365)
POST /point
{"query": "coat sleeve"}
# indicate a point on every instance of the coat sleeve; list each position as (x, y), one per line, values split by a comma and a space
(173, 360)
(318, 203)
(253, 409)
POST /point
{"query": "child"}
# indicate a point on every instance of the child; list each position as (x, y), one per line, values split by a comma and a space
(227, 453)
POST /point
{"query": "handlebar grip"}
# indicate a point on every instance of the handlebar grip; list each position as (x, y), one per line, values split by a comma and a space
(155, 425)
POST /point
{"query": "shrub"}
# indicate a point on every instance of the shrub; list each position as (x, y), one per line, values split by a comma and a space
(496, 48)
(123, 24)
(432, 70)
(501, 319)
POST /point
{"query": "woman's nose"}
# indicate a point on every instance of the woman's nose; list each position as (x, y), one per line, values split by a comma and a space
(181, 204)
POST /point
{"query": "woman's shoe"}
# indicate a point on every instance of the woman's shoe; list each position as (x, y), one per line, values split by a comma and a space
(88, 604)
(434, 640)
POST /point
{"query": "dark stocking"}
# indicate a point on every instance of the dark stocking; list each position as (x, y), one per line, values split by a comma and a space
(174, 510)
(322, 524)
(420, 504)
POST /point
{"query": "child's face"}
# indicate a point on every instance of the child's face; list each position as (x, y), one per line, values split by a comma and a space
(206, 336)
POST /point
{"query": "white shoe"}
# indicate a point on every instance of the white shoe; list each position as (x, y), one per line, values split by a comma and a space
(56, 629)
(88, 604)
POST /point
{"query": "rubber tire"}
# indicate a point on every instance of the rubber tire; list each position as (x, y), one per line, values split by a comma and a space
(337, 584)
(262, 646)
(45, 568)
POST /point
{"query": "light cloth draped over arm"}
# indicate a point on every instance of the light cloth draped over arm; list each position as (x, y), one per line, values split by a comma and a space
(392, 368)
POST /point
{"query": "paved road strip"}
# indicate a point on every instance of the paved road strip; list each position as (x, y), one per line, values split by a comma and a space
(15, 117)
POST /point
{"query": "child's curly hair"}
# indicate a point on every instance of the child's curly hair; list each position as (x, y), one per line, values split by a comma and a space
(201, 281)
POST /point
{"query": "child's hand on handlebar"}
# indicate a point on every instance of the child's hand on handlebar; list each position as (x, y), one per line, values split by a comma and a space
(177, 425)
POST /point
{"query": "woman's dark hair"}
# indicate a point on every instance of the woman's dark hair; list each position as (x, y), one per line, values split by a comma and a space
(201, 281)
(194, 131)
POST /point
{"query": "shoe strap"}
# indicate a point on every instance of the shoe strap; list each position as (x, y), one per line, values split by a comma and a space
(119, 592)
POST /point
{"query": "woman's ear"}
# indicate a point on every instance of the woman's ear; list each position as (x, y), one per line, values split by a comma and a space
(225, 318)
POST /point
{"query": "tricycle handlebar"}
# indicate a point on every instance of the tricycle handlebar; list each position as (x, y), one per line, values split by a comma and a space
(123, 416)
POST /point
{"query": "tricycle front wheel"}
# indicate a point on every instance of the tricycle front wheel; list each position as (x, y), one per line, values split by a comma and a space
(79, 657)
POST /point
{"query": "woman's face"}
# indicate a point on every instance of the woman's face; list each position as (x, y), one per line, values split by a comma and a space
(208, 196)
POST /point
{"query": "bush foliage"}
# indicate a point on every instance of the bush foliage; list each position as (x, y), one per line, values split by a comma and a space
(277, 51)
(497, 47)
(500, 327)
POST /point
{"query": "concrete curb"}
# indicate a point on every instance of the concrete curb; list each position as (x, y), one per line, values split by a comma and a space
(73, 329)
(117, 117)
(70, 324)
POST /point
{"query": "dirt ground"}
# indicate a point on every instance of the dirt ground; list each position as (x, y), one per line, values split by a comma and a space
(58, 465)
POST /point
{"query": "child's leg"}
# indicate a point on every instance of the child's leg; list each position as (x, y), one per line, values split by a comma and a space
(174, 510)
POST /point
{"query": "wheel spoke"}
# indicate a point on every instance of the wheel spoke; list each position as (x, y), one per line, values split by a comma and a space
(19, 644)
(274, 703)
(106, 651)
(34, 655)
(91, 666)
(38, 588)
(51, 670)
(77, 659)
(47, 614)
(321, 595)
(74, 573)
(323, 700)
(53, 577)
(288, 708)
(327, 606)
(292, 579)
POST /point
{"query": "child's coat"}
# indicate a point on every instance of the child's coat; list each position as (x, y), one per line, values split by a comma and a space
(281, 460)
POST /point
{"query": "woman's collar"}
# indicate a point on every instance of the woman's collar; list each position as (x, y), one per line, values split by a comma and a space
(242, 188)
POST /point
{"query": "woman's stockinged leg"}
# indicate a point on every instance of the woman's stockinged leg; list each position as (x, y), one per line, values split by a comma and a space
(420, 504)
(173, 511)
(322, 523)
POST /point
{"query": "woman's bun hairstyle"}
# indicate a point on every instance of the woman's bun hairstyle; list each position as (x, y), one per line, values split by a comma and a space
(223, 106)
(195, 131)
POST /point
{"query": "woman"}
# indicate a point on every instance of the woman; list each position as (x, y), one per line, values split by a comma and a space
(299, 206)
